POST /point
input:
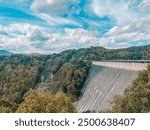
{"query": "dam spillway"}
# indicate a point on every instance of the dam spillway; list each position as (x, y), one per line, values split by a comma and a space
(106, 80)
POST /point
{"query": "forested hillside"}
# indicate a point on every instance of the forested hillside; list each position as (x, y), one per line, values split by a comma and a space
(99, 53)
(64, 72)
(20, 73)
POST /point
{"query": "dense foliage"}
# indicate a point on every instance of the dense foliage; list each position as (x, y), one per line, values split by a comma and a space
(63, 72)
(40, 101)
(99, 53)
(136, 98)
(20, 73)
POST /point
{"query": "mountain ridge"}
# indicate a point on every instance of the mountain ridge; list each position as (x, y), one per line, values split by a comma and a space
(4, 52)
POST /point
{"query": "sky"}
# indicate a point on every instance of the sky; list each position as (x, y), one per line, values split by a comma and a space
(52, 26)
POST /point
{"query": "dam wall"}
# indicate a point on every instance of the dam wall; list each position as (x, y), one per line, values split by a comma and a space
(106, 80)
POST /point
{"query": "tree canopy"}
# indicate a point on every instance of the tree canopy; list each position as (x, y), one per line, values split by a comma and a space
(39, 101)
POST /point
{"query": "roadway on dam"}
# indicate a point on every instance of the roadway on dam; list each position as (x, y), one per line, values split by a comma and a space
(106, 80)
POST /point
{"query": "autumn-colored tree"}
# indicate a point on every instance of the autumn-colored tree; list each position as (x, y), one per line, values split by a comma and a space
(40, 101)
(6, 106)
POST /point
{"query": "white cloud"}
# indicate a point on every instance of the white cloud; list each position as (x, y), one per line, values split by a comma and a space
(136, 33)
(2, 31)
(20, 37)
(52, 7)
(53, 10)
(123, 11)
(137, 25)
(145, 6)
(132, 26)
(55, 20)
(133, 3)
(118, 10)
(27, 38)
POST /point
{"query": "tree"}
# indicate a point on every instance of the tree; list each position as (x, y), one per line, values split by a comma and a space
(6, 106)
(40, 101)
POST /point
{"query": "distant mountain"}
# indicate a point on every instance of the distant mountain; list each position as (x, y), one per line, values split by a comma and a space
(4, 52)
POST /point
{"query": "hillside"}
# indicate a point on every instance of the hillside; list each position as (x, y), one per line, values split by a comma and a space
(65, 71)
(3, 52)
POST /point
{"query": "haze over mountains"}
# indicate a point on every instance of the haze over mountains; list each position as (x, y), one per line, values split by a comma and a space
(4, 52)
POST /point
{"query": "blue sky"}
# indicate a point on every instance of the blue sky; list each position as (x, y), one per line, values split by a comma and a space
(51, 26)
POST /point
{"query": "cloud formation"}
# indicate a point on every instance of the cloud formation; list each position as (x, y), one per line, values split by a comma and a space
(145, 6)
(118, 10)
(53, 7)
(53, 11)
(133, 34)
(48, 26)
(27, 38)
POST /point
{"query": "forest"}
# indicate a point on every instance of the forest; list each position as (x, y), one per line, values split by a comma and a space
(48, 78)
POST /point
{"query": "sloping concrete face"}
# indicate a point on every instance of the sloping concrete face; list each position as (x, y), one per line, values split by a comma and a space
(104, 82)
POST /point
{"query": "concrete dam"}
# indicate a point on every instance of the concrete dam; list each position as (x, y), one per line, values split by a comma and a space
(106, 80)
